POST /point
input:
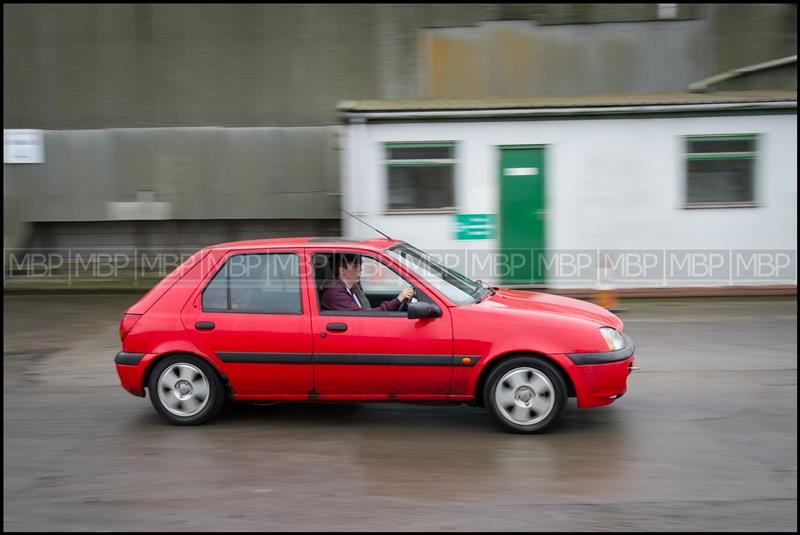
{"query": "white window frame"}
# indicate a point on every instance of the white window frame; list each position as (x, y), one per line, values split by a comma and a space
(421, 162)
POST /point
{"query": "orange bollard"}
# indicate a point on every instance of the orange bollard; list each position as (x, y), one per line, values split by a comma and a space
(607, 299)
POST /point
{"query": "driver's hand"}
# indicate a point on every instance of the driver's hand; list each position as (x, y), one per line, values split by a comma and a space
(405, 294)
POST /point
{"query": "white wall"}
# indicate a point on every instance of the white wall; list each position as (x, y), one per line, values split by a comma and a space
(610, 183)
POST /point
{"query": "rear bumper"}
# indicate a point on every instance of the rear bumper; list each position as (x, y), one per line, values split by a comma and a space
(601, 378)
(131, 369)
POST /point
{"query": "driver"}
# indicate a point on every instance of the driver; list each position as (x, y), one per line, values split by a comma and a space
(345, 293)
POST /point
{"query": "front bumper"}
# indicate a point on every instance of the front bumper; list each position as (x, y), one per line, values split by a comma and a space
(601, 378)
(606, 357)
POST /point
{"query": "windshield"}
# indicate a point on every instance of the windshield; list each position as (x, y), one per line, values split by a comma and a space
(456, 287)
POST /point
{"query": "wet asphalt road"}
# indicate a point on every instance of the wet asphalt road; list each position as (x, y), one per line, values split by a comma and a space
(705, 439)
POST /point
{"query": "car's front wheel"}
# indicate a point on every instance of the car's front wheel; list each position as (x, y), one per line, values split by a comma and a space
(185, 390)
(526, 395)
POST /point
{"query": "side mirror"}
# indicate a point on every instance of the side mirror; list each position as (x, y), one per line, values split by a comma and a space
(423, 310)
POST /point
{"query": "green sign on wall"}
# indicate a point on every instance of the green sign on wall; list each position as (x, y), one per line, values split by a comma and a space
(475, 226)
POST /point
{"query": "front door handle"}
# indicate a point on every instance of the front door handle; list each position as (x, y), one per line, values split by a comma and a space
(204, 325)
(336, 327)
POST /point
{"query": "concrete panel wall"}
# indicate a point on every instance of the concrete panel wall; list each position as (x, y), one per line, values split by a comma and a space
(169, 236)
(145, 65)
(743, 34)
(134, 65)
(521, 59)
(213, 173)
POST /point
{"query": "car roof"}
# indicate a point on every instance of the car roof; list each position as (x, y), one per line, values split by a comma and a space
(374, 244)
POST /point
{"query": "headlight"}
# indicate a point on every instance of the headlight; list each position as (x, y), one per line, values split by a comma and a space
(613, 338)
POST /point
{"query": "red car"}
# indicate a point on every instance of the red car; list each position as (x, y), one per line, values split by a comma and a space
(244, 321)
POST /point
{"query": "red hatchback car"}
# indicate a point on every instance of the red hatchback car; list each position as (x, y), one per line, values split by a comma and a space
(246, 321)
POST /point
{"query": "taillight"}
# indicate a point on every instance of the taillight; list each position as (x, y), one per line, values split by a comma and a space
(126, 324)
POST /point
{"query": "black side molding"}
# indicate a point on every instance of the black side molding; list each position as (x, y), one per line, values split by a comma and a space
(384, 360)
(582, 359)
(361, 359)
(265, 358)
(128, 359)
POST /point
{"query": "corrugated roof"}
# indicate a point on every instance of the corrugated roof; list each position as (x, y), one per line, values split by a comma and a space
(577, 101)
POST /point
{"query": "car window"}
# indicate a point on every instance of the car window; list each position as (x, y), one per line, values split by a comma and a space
(378, 278)
(266, 283)
(378, 282)
(456, 287)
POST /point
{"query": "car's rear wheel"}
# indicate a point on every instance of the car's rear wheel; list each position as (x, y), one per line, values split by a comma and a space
(526, 395)
(185, 390)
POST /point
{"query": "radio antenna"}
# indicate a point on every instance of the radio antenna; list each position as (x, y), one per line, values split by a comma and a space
(367, 224)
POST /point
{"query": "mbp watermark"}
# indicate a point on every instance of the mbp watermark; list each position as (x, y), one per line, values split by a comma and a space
(160, 264)
(32, 265)
(759, 265)
(89, 264)
(626, 266)
(574, 267)
(693, 266)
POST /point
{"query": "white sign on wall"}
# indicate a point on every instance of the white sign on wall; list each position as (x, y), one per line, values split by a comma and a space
(521, 171)
(23, 146)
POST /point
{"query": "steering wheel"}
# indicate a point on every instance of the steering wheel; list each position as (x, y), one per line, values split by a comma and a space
(404, 304)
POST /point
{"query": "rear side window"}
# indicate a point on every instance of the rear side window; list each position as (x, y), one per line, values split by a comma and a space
(256, 283)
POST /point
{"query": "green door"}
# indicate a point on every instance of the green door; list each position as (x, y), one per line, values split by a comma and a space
(522, 215)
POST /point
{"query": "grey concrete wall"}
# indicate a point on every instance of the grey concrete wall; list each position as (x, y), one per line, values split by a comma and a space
(143, 65)
(94, 66)
(519, 58)
(168, 236)
(744, 34)
(204, 173)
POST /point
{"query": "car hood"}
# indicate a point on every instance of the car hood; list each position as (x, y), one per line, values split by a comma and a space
(553, 304)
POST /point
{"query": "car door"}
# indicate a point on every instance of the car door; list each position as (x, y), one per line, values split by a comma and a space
(378, 355)
(251, 313)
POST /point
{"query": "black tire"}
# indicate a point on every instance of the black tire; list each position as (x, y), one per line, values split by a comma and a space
(191, 392)
(534, 392)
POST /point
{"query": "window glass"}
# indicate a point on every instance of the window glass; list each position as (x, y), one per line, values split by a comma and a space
(711, 145)
(377, 282)
(420, 175)
(456, 287)
(265, 283)
(215, 296)
(720, 169)
(377, 278)
(720, 181)
(420, 187)
(429, 152)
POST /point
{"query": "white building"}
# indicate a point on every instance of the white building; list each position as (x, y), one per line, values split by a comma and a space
(672, 190)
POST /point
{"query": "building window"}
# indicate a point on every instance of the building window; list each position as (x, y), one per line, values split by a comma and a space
(421, 176)
(720, 170)
(256, 283)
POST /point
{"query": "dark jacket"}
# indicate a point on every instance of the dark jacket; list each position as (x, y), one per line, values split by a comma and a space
(337, 297)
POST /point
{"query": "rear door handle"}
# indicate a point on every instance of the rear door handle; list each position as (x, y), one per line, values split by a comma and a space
(340, 327)
(204, 325)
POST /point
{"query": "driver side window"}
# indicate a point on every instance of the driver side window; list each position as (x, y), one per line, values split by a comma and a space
(378, 278)
(378, 284)
(381, 283)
